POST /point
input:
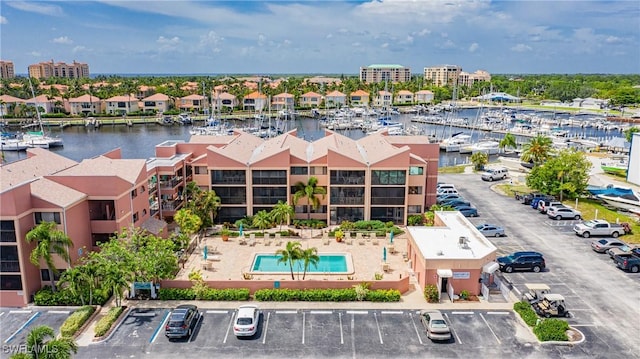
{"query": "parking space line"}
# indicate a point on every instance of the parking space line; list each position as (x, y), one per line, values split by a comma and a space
(455, 332)
(303, 320)
(488, 326)
(143, 315)
(217, 311)
(286, 312)
(498, 313)
(266, 326)
(226, 335)
(341, 332)
(584, 325)
(200, 319)
(162, 324)
(59, 311)
(391, 312)
(320, 312)
(357, 312)
(375, 315)
(416, 328)
(26, 324)
(20, 311)
(462, 313)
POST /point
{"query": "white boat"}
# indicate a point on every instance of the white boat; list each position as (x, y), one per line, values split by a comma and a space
(39, 139)
(629, 200)
(488, 147)
(13, 144)
(454, 143)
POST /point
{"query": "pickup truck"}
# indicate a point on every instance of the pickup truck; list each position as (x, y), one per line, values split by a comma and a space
(630, 263)
(624, 251)
(598, 227)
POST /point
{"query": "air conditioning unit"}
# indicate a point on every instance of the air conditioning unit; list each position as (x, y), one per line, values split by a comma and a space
(462, 240)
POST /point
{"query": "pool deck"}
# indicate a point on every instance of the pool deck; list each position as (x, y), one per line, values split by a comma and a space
(229, 260)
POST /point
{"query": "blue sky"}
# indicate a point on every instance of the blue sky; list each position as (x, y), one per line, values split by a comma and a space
(259, 37)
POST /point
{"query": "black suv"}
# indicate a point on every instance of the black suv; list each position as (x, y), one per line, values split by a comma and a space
(182, 321)
(532, 261)
(527, 198)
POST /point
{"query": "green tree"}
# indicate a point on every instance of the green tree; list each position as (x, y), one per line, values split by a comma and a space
(188, 221)
(309, 256)
(565, 175)
(262, 220)
(204, 204)
(49, 240)
(75, 279)
(628, 133)
(282, 212)
(43, 344)
(479, 160)
(290, 254)
(508, 141)
(538, 150)
(310, 191)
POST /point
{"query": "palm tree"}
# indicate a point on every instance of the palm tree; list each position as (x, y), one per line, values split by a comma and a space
(309, 256)
(262, 220)
(509, 141)
(75, 278)
(282, 212)
(290, 254)
(42, 344)
(49, 240)
(537, 150)
(309, 190)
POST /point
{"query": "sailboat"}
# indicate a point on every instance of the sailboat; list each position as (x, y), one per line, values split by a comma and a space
(39, 138)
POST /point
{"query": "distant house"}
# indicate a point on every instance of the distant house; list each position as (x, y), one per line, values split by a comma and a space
(193, 103)
(43, 102)
(404, 96)
(359, 98)
(335, 99)
(8, 104)
(145, 91)
(424, 96)
(254, 101)
(310, 99)
(190, 86)
(121, 105)
(223, 100)
(590, 103)
(157, 102)
(283, 101)
(383, 99)
(84, 105)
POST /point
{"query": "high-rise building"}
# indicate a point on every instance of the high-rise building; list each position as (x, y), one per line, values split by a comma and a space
(442, 75)
(6, 70)
(45, 70)
(385, 73)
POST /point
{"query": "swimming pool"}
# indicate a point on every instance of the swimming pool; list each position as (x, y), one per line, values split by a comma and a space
(332, 263)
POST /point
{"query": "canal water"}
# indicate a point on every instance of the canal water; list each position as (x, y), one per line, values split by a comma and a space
(139, 141)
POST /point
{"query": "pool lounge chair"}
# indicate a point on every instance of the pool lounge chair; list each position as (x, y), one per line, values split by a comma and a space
(278, 239)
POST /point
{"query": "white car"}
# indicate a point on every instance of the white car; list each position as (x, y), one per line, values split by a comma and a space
(246, 323)
(490, 230)
(563, 213)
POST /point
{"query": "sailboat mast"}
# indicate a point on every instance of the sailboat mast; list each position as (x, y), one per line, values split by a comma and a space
(33, 93)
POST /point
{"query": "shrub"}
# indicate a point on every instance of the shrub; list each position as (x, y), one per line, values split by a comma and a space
(415, 220)
(551, 330)
(383, 295)
(105, 323)
(431, 293)
(361, 290)
(464, 294)
(64, 297)
(324, 295)
(75, 321)
(206, 294)
(378, 276)
(526, 313)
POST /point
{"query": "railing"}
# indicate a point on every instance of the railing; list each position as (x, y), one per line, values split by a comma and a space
(10, 266)
(171, 183)
(171, 205)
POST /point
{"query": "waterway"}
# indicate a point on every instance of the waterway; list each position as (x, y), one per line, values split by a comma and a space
(139, 141)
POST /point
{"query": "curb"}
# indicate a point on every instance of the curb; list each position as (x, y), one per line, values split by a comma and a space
(568, 343)
(114, 327)
(86, 324)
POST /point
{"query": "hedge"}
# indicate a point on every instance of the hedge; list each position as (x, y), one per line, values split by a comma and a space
(526, 313)
(552, 330)
(324, 295)
(105, 323)
(75, 321)
(64, 297)
(208, 294)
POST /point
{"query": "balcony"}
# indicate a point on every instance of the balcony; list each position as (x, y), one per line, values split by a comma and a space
(10, 266)
(171, 205)
(170, 183)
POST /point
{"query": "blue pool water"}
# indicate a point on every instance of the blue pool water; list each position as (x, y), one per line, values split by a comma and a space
(329, 263)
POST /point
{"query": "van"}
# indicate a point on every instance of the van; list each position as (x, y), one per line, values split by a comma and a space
(446, 191)
(443, 186)
(494, 174)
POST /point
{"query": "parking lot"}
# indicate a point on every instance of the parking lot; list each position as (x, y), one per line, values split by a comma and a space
(603, 300)
(318, 333)
(16, 324)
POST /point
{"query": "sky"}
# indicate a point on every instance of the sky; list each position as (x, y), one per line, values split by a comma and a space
(323, 37)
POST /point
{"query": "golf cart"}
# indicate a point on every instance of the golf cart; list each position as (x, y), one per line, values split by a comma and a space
(551, 305)
(535, 292)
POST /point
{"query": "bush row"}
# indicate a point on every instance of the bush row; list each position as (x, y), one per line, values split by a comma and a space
(526, 313)
(545, 330)
(325, 295)
(75, 321)
(105, 323)
(207, 294)
(64, 297)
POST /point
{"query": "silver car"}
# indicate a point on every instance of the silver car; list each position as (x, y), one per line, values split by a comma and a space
(558, 213)
(435, 325)
(490, 230)
(246, 323)
(603, 245)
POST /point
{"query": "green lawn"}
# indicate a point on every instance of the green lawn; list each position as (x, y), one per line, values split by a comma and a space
(452, 169)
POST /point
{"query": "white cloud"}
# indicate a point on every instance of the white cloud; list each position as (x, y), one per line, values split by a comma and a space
(385, 45)
(35, 54)
(448, 44)
(286, 42)
(521, 48)
(473, 47)
(613, 40)
(168, 44)
(39, 8)
(329, 36)
(77, 49)
(423, 32)
(211, 39)
(3, 20)
(407, 40)
(62, 40)
(262, 39)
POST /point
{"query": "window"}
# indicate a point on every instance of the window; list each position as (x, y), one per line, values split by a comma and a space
(392, 177)
(299, 170)
(10, 282)
(48, 217)
(387, 195)
(414, 209)
(7, 231)
(9, 261)
(318, 170)
(200, 170)
(142, 189)
(228, 176)
(136, 216)
(97, 238)
(134, 193)
(269, 177)
(415, 170)
(144, 212)
(44, 275)
(415, 189)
